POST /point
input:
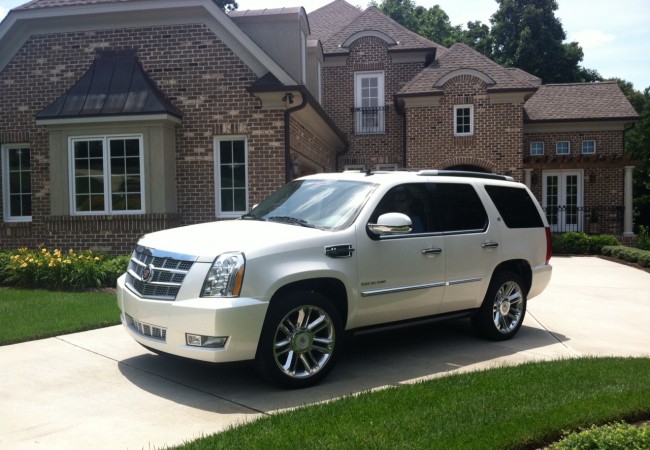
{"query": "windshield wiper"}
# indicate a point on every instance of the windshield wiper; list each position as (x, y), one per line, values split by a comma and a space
(252, 217)
(291, 220)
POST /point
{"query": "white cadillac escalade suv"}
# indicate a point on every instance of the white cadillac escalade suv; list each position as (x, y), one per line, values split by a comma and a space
(339, 252)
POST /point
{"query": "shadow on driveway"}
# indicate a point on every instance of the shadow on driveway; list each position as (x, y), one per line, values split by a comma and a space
(370, 361)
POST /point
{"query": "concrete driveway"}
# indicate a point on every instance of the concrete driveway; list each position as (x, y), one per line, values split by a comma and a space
(99, 389)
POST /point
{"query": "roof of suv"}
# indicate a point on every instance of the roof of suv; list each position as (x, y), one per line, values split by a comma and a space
(407, 176)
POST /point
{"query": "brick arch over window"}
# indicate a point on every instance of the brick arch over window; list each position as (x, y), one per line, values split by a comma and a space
(469, 161)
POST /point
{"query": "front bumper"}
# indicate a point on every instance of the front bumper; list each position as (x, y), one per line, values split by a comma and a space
(162, 325)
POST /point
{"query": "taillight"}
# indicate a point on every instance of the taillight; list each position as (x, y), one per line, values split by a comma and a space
(549, 246)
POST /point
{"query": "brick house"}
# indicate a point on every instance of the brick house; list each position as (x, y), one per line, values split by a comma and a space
(120, 117)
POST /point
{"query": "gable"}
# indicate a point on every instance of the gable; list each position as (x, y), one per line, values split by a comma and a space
(52, 16)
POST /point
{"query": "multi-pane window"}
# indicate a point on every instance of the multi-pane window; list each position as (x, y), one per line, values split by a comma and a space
(107, 175)
(17, 183)
(232, 176)
(562, 148)
(463, 120)
(536, 149)
(369, 103)
(588, 147)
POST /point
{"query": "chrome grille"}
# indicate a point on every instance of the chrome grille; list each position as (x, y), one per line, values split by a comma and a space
(157, 275)
(145, 329)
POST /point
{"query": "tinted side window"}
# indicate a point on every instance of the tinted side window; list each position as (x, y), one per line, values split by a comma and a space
(459, 208)
(412, 200)
(515, 206)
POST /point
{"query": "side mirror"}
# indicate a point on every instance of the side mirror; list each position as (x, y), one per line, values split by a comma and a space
(390, 224)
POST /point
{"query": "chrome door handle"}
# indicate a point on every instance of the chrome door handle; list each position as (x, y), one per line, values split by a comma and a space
(432, 251)
(490, 244)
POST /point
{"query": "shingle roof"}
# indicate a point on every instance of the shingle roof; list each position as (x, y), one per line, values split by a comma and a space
(460, 57)
(328, 19)
(114, 85)
(35, 4)
(579, 101)
(334, 23)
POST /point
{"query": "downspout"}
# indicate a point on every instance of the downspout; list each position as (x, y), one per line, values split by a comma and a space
(287, 133)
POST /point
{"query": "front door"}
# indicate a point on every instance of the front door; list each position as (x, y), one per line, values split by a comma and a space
(563, 200)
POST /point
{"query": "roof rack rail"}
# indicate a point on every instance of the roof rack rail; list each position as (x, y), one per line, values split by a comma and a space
(464, 173)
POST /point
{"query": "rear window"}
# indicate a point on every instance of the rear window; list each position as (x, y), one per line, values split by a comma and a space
(516, 207)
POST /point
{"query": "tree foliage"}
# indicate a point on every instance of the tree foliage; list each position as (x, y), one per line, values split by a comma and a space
(527, 35)
(227, 5)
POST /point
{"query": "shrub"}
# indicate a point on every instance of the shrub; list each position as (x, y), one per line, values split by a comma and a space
(630, 254)
(578, 243)
(643, 238)
(617, 436)
(58, 270)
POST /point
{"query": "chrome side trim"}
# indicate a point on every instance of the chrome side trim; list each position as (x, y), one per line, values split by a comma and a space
(402, 289)
(465, 280)
(419, 286)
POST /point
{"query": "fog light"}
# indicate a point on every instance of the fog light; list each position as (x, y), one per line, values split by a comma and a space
(196, 340)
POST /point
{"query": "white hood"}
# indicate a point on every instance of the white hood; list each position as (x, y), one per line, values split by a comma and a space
(207, 240)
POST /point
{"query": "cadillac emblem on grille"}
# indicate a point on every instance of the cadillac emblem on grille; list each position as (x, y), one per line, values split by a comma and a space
(147, 273)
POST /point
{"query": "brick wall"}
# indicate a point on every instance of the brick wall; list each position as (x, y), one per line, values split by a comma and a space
(368, 54)
(197, 72)
(603, 181)
(495, 144)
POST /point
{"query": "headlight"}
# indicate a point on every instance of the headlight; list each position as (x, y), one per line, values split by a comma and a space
(225, 276)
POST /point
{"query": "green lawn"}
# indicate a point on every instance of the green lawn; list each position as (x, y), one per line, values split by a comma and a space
(521, 407)
(36, 314)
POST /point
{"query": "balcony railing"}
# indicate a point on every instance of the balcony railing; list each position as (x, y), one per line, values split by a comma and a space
(590, 220)
(370, 119)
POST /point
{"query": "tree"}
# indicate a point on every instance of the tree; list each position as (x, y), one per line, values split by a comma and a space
(637, 144)
(478, 37)
(227, 5)
(527, 35)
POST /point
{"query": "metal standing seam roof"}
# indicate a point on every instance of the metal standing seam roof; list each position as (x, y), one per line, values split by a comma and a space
(114, 85)
(579, 101)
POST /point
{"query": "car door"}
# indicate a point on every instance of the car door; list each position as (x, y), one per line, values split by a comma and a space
(471, 245)
(401, 276)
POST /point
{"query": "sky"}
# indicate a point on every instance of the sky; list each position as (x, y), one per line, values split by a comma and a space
(614, 36)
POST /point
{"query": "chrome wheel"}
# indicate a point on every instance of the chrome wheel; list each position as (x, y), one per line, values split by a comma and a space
(503, 309)
(300, 339)
(304, 341)
(508, 307)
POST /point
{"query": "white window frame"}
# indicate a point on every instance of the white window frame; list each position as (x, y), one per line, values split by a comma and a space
(568, 148)
(386, 167)
(535, 148)
(6, 187)
(359, 102)
(108, 189)
(471, 120)
(219, 213)
(591, 151)
(354, 167)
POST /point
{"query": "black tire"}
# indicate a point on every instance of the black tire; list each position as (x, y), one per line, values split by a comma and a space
(503, 308)
(300, 340)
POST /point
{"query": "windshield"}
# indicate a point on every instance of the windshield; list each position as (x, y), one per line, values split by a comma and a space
(327, 204)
